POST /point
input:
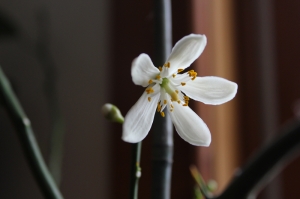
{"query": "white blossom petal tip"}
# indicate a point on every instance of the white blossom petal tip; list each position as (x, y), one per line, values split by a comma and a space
(190, 126)
(139, 119)
(142, 69)
(211, 90)
(186, 51)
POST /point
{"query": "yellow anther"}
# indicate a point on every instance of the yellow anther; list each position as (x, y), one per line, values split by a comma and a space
(162, 114)
(158, 77)
(186, 97)
(185, 105)
(165, 101)
(149, 90)
(180, 70)
(178, 101)
(183, 84)
(176, 91)
(160, 68)
(174, 75)
(158, 107)
(172, 106)
(171, 110)
(150, 81)
(192, 74)
(149, 99)
(167, 64)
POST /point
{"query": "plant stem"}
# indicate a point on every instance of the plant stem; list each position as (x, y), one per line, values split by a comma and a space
(28, 141)
(57, 122)
(265, 164)
(162, 127)
(135, 170)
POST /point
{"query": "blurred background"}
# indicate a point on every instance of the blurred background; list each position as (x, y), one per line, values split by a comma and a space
(65, 59)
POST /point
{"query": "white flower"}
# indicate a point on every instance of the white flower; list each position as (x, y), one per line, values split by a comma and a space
(168, 89)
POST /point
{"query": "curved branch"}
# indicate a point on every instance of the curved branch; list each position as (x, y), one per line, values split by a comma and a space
(264, 164)
(28, 141)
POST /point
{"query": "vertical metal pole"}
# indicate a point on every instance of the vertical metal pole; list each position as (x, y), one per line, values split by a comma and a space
(163, 128)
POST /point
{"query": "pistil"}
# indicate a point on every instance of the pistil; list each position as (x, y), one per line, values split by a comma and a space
(165, 85)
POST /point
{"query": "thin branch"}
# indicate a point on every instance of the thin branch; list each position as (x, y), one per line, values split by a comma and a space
(28, 141)
(264, 165)
(135, 170)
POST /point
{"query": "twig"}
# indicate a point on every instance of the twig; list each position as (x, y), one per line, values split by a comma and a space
(28, 141)
(135, 170)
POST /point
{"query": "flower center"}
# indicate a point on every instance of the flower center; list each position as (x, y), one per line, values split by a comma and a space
(170, 91)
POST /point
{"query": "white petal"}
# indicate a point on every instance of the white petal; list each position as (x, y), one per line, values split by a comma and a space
(210, 90)
(186, 51)
(180, 78)
(190, 126)
(139, 119)
(142, 70)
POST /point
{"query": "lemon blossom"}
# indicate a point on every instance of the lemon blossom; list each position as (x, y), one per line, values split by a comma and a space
(167, 89)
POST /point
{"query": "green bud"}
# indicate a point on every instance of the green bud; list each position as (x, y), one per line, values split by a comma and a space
(212, 185)
(112, 113)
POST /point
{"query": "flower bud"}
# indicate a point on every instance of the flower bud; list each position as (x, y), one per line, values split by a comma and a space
(112, 113)
(212, 185)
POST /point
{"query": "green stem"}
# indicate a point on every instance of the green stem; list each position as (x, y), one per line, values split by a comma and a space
(135, 170)
(28, 141)
(57, 121)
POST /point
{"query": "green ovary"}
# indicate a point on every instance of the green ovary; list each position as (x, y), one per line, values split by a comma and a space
(172, 93)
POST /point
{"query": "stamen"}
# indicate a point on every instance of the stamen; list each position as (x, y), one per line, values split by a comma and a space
(192, 74)
(180, 70)
(167, 64)
(174, 75)
(172, 106)
(183, 84)
(158, 77)
(160, 68)
(165, 101)
(162, 114)
(176, 91)
(178, 101)
(149, 90)
(158, 107)
(149, 99)
(150, 81)
(186, 100)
